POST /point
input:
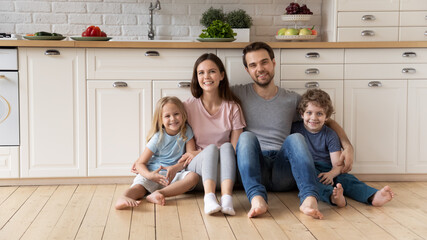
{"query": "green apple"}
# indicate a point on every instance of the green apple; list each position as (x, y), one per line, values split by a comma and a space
(305, 31)
(292, 31)
(281, 31)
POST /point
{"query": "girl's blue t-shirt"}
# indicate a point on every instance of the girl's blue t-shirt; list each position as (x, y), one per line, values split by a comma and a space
(168, 151)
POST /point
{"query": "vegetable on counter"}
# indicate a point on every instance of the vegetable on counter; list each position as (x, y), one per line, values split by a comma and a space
(93, 31)
(45, 34)
(218, 29)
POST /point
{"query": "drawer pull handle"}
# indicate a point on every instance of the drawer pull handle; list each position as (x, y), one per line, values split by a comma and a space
(184, 84)
(152, 54)
(368, 18)
(2, 76)
(312, 71)
(51, 52)
(312, 55)
(119, 84)
(375, 84)
(425, 33)
(409, 70)
(312, 85)
(409, 54)
(368, 33)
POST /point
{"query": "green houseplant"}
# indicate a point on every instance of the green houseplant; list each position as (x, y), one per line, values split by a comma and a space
(211, 15)
(218, 29)
(241, 22)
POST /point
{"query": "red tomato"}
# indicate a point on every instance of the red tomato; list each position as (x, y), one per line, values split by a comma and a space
(95, 32)
(103, 34)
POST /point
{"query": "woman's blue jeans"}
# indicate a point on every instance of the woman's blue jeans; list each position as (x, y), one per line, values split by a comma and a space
(283, 170)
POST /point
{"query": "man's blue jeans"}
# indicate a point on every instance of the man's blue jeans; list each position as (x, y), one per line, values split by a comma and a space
(353, 187)
(292, 166)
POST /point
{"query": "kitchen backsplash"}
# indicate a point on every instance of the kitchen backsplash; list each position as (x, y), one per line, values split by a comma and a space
(128, 19)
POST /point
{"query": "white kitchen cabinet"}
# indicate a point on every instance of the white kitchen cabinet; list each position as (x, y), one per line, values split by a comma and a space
(417, 129)
(9, 162)
(119, 118)
(53, 112)
(180, 89)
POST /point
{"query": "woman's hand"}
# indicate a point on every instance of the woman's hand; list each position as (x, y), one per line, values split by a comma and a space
(188, 157)
(155, 176)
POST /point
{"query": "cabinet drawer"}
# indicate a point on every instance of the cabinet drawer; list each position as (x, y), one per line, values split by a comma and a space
(142, 63)
(413, 5)
(413, 34)
(413, 19)
(407, 55)
(308, 72)
(368, 5)
(368, 19)
(367, 34)
(311, 56)
(386, 71)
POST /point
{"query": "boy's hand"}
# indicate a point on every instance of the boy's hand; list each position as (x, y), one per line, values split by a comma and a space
(187, 157)
(326, 178)
(155, 176)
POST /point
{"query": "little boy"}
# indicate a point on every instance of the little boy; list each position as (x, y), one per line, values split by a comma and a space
(315, 109)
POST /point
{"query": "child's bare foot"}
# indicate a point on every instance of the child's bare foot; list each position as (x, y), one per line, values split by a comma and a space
(258, 207)
(382, 196)
(309, 207)
(337, 196)
(125, 202)
(157, 198)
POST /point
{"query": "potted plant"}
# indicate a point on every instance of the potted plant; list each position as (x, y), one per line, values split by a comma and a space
(241, 22)
(211, 15)
(217, 29)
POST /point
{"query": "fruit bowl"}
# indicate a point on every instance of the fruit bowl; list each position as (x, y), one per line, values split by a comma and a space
(296, 17)
(295, 37)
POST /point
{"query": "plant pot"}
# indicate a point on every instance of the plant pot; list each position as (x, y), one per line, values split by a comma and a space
(243, 34)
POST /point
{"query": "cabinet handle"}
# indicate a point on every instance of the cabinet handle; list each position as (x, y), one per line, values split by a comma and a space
(368, 33)
(409, 70)
(375, 84)
(409, 54)
(368, 18)
(119, 84)
(52, 52)
(152, 54)
(312, 55)
(184, 84)
(312, 85)
(312, 71)
(2, 76)
(425, 33)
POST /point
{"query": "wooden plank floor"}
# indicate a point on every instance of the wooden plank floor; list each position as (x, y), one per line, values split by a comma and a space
(87, 212)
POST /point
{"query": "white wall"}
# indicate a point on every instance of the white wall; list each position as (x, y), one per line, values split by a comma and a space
(127, 19)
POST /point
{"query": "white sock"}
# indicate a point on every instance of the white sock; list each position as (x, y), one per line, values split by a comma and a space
(227, 204)
(211, 204)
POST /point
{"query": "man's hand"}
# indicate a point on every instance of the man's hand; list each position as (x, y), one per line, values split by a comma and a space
(347, 156)
(327, 178)
(155, 176)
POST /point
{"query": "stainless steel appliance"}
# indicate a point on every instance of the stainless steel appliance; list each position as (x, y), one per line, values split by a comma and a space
(9, 104)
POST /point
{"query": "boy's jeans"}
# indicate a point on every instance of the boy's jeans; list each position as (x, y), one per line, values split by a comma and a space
(281, 170)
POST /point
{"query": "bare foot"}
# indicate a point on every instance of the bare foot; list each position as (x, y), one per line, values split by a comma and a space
(337, 196)
(309, 207)
(125, 202)
(258, 207)
(157, 198)
(382, 196)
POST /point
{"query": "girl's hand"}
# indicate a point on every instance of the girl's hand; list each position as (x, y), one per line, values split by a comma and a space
(155, 176)
(133, 168)
(326, 178)
(171, 172)
(187, 158)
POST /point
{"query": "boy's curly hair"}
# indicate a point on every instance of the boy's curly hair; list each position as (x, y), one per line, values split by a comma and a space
(317, 97)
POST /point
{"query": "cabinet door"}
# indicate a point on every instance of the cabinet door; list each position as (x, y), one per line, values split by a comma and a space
(119, 117)
(9, 162)
(233, 62)
(333, 88)
(53, 113)
(180, 89)
(375, 121)
(417, 129)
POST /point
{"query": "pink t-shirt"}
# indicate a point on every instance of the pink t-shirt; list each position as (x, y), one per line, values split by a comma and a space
(213, 129)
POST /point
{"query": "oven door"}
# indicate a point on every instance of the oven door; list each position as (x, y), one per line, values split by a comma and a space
(9, 109)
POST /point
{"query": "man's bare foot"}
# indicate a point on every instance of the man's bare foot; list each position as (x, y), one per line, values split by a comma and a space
(382, 196)
(337, 196)
(125, 202)
(258, 207)
(157, 198)
(309, 207)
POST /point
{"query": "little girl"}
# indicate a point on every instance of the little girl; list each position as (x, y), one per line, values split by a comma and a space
(158, 167)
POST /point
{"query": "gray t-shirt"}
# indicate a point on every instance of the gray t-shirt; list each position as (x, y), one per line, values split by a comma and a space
(270, 120)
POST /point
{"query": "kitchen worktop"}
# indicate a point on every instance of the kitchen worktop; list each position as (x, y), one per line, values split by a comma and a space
(154, 44)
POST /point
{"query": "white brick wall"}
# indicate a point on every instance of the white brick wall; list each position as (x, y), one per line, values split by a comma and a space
(127, 19)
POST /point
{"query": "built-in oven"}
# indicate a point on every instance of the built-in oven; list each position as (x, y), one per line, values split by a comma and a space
(9, 99)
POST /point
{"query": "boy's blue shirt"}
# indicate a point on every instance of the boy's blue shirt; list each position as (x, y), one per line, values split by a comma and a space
(320, 144)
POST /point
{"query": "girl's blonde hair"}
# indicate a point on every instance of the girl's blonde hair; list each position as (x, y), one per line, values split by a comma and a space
(157, 125)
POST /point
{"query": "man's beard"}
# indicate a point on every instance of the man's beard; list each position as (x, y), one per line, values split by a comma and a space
(265, 84)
